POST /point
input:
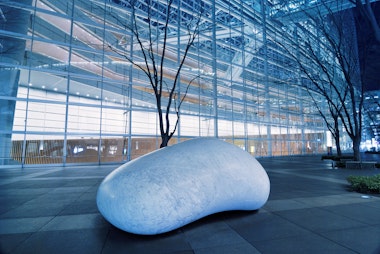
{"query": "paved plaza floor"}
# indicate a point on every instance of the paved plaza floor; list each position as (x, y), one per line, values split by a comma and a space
(310, 210)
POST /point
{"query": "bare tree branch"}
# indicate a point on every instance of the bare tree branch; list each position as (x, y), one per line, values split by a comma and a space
(154, 50)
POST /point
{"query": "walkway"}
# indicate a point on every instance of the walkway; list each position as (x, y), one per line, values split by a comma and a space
(310, 210)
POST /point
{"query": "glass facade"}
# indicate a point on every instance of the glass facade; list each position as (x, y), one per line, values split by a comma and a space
(68, 94)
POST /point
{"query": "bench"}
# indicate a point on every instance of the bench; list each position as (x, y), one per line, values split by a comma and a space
(361, 164)
(338, 161)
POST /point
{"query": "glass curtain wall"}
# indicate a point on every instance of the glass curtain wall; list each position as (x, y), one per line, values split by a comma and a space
(73, 96)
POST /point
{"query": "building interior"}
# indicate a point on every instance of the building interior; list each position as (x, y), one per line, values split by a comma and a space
(74, 88)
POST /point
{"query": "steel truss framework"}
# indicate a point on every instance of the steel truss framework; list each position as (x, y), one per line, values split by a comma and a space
(77, 92)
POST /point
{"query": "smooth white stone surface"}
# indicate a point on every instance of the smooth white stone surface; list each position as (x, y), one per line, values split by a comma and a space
(173, 186)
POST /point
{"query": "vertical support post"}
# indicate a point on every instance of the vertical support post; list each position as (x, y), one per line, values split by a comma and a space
(64, 159)
(266, 82)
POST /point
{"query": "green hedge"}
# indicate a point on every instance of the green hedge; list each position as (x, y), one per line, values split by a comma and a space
(365, 184)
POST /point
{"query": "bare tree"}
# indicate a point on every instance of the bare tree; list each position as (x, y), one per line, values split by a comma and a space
(328, 58)
(331, 114)
(340, 42)
(150, 27)
(317, 88)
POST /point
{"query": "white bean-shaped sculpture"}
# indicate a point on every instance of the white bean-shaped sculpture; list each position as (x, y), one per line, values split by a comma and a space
(176, 185)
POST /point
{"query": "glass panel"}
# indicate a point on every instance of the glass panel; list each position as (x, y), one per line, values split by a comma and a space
(114, 121)
(144, 123)
(114, 149)
(83, 119)
(39, 150)
(46, 117)
(144, 145)
(65, 72)
(82, 149)
(189, 125)
(207, 127)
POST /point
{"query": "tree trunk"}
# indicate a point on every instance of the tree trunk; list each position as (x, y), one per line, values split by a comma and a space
(337, 134)
(356, 148)
(164, 140)
(338, 149)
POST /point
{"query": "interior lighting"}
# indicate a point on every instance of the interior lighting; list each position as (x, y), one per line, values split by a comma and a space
(55, 89)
